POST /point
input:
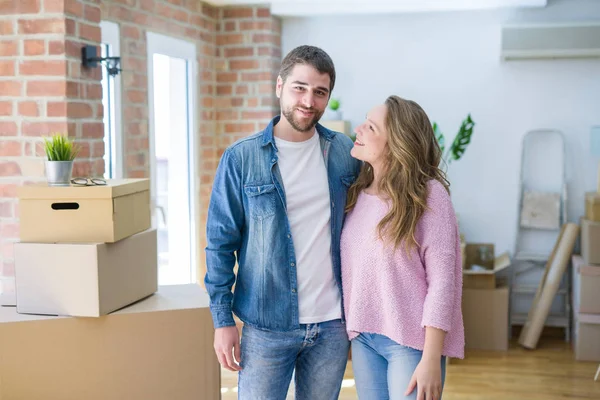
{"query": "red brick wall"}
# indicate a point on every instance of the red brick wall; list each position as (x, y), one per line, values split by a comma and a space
(83, 105)
(44, 89)
(186, 19)
(249, 58)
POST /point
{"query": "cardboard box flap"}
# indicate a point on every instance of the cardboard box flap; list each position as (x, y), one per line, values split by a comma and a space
(113, 188)
(482, 278)
(481, 254)
(167, 298)
(500, 263)
(171, 297)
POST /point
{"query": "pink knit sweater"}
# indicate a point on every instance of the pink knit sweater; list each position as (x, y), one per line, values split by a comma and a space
(396, 294)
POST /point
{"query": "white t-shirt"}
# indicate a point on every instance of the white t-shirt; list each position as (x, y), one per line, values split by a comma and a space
(308, 208)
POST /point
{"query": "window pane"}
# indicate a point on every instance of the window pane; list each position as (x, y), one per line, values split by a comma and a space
(108, 101)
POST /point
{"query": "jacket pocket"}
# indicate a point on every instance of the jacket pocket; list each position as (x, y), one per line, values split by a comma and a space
(261, 200)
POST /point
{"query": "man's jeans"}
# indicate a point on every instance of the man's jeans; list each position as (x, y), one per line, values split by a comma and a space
(317, 352)
(383, 368)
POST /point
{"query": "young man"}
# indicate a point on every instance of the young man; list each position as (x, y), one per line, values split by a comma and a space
(278, 205)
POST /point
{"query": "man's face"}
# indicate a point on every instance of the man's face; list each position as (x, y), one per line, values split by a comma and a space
(303, 97)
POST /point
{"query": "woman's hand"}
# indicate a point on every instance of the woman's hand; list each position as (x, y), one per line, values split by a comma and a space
(428, 379)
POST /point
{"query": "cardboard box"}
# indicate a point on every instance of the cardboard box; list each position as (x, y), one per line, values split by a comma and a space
(479, 254)
(585, 286)
(85, 280)
(485, 315)
(341, 126)
(84, 214)
(485, 278)
(590, 241)
(592, 206)
(586, 338)
(160, 348)
(540, 210)
(485, 298)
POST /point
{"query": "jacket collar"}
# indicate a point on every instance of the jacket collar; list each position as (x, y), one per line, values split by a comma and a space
(268, 132)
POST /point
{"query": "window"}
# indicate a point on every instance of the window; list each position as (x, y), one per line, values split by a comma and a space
(111, 100)
(172, 83)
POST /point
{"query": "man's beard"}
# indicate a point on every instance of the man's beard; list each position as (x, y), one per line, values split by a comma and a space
(302, 126)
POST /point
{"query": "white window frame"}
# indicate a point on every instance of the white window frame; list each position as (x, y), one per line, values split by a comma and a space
(179, 48)
(111, 35)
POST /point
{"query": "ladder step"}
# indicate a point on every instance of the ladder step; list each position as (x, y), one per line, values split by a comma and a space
(524, 256)
(533, 289)
(558, 321)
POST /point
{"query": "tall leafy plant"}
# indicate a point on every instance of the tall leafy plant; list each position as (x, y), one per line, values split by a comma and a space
(458, 147)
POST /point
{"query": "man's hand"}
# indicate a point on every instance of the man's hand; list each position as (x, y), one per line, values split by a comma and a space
(227, 341)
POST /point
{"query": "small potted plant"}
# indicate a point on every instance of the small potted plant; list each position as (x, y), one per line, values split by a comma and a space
(333, 110)
(60, 151)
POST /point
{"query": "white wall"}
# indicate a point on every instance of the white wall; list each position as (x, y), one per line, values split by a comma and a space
(450, 64)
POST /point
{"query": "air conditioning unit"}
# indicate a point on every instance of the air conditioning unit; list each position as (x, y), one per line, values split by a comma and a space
(572, 40)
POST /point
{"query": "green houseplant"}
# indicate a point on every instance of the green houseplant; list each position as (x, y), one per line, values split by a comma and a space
(458, 147)
(333, 112)
(334, 104)
(60, 152)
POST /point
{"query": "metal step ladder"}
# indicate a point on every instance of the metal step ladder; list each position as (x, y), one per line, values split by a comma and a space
(542, 212)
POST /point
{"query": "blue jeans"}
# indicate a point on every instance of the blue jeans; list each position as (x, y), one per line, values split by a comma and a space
(317, 352)
(383, 368)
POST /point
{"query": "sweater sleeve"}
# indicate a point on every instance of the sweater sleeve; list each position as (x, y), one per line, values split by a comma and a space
(439, 235)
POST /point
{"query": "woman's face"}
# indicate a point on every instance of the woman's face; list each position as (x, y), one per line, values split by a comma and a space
(371, 137)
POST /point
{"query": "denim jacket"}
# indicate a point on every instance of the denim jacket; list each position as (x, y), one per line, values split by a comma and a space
(247, 223)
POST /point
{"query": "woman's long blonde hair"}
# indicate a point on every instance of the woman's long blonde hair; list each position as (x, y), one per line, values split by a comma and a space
(412, 158)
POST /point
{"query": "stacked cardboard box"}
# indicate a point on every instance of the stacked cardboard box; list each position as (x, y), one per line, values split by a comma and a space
(84, 251)
(90, 321)
(586, 284)
(156, 349)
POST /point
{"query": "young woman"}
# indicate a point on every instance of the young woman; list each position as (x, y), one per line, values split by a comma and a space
(401, 260)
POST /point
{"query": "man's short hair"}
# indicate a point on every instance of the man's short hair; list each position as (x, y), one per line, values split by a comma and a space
(308, 55)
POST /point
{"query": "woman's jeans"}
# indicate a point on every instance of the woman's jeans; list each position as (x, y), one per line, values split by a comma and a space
(383, 368)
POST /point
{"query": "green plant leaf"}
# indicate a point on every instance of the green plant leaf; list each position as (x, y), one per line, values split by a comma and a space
(60, 148)
(462, 139)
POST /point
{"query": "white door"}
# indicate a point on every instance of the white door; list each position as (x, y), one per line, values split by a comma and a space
(172, 83)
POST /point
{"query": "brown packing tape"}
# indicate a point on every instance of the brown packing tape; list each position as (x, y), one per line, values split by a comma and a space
(555, 268)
